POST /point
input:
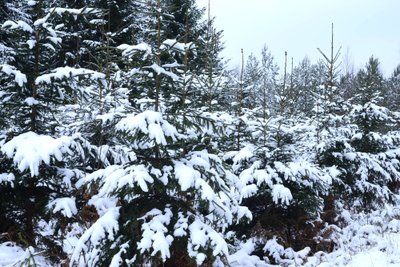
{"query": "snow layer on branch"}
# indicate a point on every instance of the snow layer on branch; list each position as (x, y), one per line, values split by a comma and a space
(7, 178)
(65, 205)
(175, 45)
(129, 50)
(29, 150)
(299, 171)
(282, 193)
(243, 257)
(154, 233)
(281, 255)
(371, 110)
(198, 172)
(105, 227)
(173, 65)
(19, 77)
(116, 177)
(186, 175)
(30, 101)
(202, 235)
(68, 72)
(41, 21)
(150, 123)
(181, 226)
(6, 49)
(74, 11)
(160, 70)
(117, 259)
(240, 156)
(17, 25)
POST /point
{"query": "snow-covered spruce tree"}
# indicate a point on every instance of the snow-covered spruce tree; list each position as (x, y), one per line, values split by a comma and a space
(374, 154)
(329, 103)
(269, 82)
(210, 75)
(363, 146)
(38, 162)
(370, 84)
(260, 83)
(280, 182)
(187, 26)
(332, 127)
(93, 116)
(251, 82)
(306, 78)
(392, 97)
(173, 201)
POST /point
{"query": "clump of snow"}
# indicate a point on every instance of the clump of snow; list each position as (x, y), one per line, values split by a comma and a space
(129, 50)
(7, 178)
(19, 77)
(41, 21)
(201, 234)
(65, 205)
(115, 177)
(154, 233)
(13, 255)
(17, 25)
(282, 193)
(181, 225)
(160, 70)
(150, 123)
(243, 257)
(29, 150)
(178, 46)
(68, 72)
(31, 43)
(240, 156)
(30, 101)
(186, 175)
(117, 259)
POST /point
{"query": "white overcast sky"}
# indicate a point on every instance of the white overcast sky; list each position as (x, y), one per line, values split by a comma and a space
(362, 27)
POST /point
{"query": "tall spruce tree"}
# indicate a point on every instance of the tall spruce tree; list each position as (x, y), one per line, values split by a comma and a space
(392, 97)
(370, 86)
(39, 164)
(172, 201)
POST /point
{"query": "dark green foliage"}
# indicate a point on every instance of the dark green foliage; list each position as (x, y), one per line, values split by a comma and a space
(369, 83)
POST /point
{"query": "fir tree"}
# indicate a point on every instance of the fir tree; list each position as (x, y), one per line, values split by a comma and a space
(39, 164)
(392, 97)
(172, 201)
(369, 83)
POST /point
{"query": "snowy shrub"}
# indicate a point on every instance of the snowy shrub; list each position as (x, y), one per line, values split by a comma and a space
(279, 182)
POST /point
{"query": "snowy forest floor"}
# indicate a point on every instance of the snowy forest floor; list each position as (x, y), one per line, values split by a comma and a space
(367, 240)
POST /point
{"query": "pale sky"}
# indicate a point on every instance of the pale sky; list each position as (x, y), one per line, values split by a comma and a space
(362, 27)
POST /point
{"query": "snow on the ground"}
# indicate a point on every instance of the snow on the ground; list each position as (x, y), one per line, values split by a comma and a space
(388, 255)
(365, 240)
(368, 240)
(385, 253)
(12, 255)
(376, 257)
